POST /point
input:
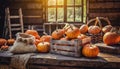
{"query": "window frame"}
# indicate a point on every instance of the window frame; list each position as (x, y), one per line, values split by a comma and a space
(65, 6)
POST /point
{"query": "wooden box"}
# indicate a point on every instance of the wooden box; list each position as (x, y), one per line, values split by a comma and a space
(69, 48)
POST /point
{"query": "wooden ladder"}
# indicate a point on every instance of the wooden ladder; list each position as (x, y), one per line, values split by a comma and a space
(14, 26)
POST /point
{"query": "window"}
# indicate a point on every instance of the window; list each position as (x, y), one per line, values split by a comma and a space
(66, 11)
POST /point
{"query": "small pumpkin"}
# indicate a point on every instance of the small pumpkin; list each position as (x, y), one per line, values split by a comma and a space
(81, 36)
(94, 29)
(4, 47)
(10, 41)
(3, 41)
(83, 29)
(111, 38)
(90, 50)
(107, 28)
(43, 47)
(72, 32)
(45, 37)
(57, 34)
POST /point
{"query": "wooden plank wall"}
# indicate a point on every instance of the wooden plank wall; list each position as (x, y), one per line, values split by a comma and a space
(105, 8)
(29, 8)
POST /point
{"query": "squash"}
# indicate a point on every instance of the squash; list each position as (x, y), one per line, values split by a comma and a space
(90, 50)
(94, 29)
(83, 29)
(107, 28)
(111, 38)
(58, 33)
(3, 41)
(33, 32)
(43, 47)
(10, 41)
(45, 37)
(72, 32)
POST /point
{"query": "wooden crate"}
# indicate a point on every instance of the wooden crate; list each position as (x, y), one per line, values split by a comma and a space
(69, 48)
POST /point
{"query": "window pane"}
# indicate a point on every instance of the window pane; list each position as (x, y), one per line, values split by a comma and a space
(78, 14)
(70, 2)
(60, 14)
(51, 14)
(85, 11)
(78, 2)
(70, 14)
(51, 2)
(60, 2)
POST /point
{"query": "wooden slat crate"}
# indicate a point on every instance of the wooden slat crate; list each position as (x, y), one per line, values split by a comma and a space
(69, 48)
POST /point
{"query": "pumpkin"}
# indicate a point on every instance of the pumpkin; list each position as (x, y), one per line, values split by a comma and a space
(4, 47)
(10, 41)
(90, 50)
(43, 47)
(83, 29)
(45, 37)
(111, 38)
(3, 41)
(107, 28)
(94, 29)
(72, 32)
(37, 41)
(57, 34)
(81, 36)
(33, 32)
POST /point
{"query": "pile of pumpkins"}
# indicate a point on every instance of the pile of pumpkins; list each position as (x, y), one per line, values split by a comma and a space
(5, 43)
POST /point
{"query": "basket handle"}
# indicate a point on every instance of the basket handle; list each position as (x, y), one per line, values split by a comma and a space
(105, 19)
(97, 21)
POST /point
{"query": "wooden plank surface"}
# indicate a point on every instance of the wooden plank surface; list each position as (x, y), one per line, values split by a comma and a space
(52, 60)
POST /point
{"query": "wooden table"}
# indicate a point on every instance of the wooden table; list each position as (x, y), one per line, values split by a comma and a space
(52, 61)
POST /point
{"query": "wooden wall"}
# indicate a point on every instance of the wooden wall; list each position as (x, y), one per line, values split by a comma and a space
(105, 8)
(32, 10)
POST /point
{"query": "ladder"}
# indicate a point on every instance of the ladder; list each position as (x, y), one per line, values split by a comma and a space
(13, 27)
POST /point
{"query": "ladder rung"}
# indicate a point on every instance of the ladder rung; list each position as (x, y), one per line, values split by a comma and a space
(15, 24)
(14, 16)
(15, 29)
(32, 16)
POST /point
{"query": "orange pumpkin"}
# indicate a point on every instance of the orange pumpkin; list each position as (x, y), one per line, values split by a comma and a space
(45, 37)
(72, 32)
(37, 41)
(107, 28)
(81, 36)
(10, 41)
(33, 32)
(2, 41)
(43, 47)
(111, 38)
(83, 29)
(4, 47)
(90, 50)
(57, 34)
(94, 29)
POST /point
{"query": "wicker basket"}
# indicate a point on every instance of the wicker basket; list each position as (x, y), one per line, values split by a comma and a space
(97, 38)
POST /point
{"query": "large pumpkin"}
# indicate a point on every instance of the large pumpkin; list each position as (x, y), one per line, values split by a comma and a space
(107, 28)
(57, 34)
(72, 32)
(33, 32)
(111, 38)
(94, 29)
(83, 29)
(90, 50)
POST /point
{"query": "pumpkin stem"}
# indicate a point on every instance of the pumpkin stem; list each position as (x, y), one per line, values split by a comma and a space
(45, 33)
(67, 26)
